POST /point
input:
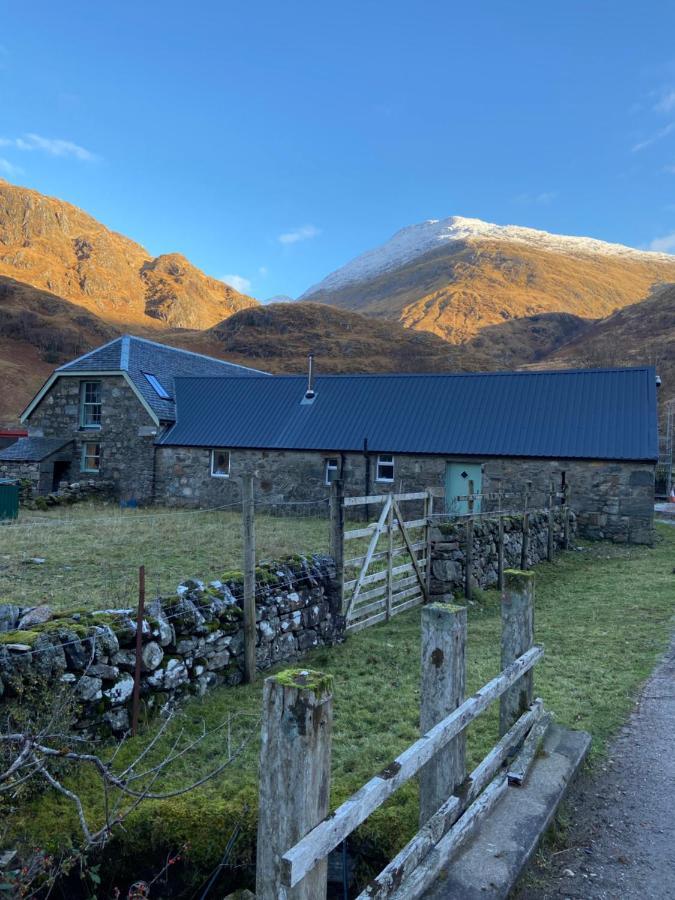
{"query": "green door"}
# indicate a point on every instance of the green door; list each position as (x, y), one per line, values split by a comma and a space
(461, 479)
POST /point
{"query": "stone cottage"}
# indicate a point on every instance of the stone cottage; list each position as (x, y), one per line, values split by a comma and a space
(592, 430)
(169, 426)
(97, 417)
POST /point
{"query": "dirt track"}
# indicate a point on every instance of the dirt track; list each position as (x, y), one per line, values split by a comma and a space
(622, 837)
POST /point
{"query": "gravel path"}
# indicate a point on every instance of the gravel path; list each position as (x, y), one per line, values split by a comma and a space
(622, 838)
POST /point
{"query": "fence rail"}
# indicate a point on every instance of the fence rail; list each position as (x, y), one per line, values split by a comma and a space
(284, 862)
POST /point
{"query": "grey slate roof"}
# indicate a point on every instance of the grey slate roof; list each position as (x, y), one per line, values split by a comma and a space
(137, 355)
(33, 449)
(592, 414)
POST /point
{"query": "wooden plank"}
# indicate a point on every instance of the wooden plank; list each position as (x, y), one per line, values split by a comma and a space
(468, 557)
(387, 882)
(336, 542)
(358, 624)
(359, 533)
(363, 501)
(381, 498)
(517, 614)
(411, 551)
(420, 879)
(521, 765)
(371, 549)
(428, 512)
(379, 591)
(390, 556)
(318, 843)
(500, 554)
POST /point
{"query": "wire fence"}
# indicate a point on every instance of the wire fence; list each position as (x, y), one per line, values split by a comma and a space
(88, 557)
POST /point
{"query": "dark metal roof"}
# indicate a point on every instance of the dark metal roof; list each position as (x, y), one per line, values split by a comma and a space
(33, 449)
(592, 414)
(137, 356)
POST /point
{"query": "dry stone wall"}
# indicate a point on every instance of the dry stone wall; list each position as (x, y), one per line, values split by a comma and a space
(191, 642)
(448, 549)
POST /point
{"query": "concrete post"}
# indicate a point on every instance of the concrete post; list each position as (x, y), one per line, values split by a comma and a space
(295, 760)
(517, 638)
(442, 691)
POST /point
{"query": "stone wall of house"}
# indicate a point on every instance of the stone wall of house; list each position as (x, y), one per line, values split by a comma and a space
(26, 473)
(448, 549)
(126, 435)
(614, 501)
(191, 642)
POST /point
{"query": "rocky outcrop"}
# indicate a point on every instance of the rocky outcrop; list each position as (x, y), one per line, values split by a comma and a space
(190, 642)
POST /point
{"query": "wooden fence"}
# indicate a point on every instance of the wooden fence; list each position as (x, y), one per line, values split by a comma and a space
(295, 832)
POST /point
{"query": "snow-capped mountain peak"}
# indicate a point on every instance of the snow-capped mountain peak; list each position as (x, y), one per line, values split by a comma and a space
(416, 240)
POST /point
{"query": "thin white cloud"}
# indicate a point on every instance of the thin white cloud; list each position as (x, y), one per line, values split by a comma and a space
(238, 282)
(304, 233)
(654, 138)
(8, 168)
(667, 102)
(50, 146)
(665, 244)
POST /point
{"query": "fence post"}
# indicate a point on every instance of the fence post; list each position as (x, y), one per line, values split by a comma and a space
(551, 523)
(295, 760)
(336, 538)
(442, 691)
(248, 533)
(390, 558)
(428, 513)
(566, 520)
(526, 529)
(468, 553)
(135, 703)
(517, 638)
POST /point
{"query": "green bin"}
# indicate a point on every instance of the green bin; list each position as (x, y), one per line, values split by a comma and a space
(9, 499)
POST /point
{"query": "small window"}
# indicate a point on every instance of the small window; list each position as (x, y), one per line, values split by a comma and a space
(385, 467)
(90, 404)
(220, 463)
(91, 457)
(157, 386)
(330, 469)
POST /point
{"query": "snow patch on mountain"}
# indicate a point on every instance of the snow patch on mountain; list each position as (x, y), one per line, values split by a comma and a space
(416, 240)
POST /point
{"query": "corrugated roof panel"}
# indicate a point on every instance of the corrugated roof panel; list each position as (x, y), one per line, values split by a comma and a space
(599, 414)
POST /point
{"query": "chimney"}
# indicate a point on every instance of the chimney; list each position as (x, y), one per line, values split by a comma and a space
(310, 393)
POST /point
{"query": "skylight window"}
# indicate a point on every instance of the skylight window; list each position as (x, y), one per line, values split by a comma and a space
(157, 386)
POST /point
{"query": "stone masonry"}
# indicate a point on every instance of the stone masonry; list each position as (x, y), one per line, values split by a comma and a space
(448, 549)
(126, 435)
(613, 500)
(191, 642)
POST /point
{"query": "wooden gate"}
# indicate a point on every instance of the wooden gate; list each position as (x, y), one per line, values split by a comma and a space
(390, 573)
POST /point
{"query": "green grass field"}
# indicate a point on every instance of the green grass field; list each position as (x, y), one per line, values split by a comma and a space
(92, 552)
(604, 614)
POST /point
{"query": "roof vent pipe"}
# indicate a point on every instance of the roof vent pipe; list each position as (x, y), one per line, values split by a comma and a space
(310, 393)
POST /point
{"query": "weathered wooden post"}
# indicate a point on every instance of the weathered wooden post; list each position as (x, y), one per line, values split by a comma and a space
(336, 538)
(295, 760)
(442, 691)
(517, 638)
(468, 553)
(390, 558)
(428, 516)
(500, 536)
(248, 534)
(526, 528)
(551, 523)
(136, 701)
(566, 520)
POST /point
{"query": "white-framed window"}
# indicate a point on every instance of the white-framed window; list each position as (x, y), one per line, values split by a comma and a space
(90, 404)
(331, 468)
(91, 457)
(385, 467)
(220, 463)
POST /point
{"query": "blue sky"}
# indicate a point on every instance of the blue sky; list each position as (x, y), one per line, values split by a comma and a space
(275, 141)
